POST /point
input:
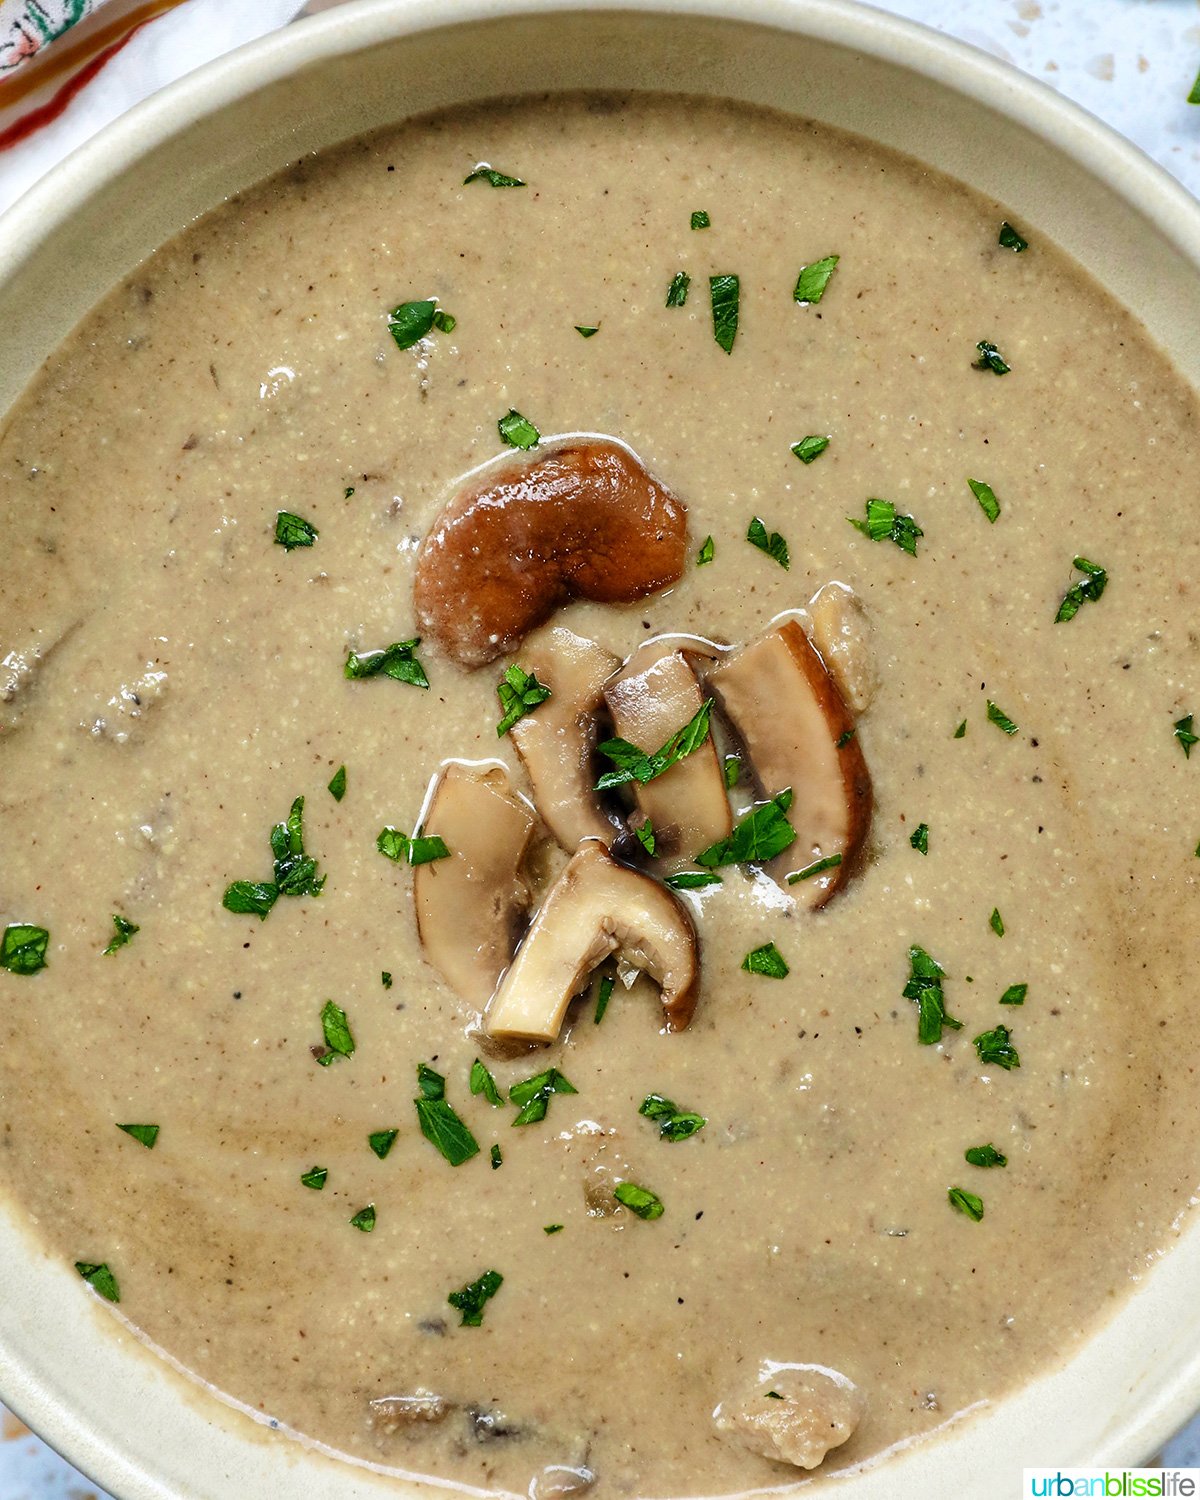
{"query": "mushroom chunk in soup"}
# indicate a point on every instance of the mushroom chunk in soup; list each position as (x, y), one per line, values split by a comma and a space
(708, 982)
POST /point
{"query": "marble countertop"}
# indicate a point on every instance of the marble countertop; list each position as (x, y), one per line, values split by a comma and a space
(1132, 63)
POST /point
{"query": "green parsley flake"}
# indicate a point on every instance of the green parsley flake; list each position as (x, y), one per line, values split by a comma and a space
(364, 1219)
(315, 1178)
(762, 834)
(970, 1204)
(766, 960)
(497, 1157)
(337, 787)
(692, 880)
(995, 1047)
(518, 431)
(725, 294)
(844, 739)
(253, 898)
(551, 1228)
(814, 279)
(640, 1200)
(520, 693)
(885, 523)
(23, 948)
(999, 718)
(483, 1083)
(674, 1124)
(409, 323)
(294, 531)
(706, 552)
(924, 987)
(1183, 733)
(960, 732)
(677, 292)
(1010, 239)
(295, 871)
(484, 172)
(990, 358)
(386, 980)
(996, 922)
(986, 496)
(700, 219)
(1194, 96)
(818, 867)
(586, 330)
(603, 996)
(645, 837)
(985, 1156)
(769, 542)
(920, 839)
(1085, 591)
(471, 1300)
(809, 449)
(1014, 994)
(100, 1279)
(635, 765)
(534, 1094)
(397, 661)
(733, 770)
(421, 849)
(347, 492)
(336, 1030)
(124, 933)
(440, 1122)
(145, 1135)
(382, 1141)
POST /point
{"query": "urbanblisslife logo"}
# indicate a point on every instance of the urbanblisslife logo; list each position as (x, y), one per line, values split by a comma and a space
(1119, 1484)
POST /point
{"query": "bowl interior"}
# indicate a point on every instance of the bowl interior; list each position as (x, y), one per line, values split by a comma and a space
(133, 1423)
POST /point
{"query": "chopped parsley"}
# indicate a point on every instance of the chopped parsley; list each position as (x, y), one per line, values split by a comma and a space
(960, 732)
(603, 996)
(635, 765)
(1014, 994)
(986, 496)
(725, 294)
(1085, 590)
(990, 358)
(1183, 733)
(123, 934)
(970, 1204)
(497, 1157)
(253, 898)
(766, 960)
(586, 330)
(295, 871)
(700, 219)
(692, 880)
(844, 738)
(769, 542)
(382, 1141)
(421, 849)
(397, 661)
(551, 1228)
(885, 523)
(336, 1029)
(645, 837)
(485, 172)
(23, 948)
(999, 718)
(818, 867)
(1010, 239)
(409, 323)
(337, 786)
(640, 1200)
(534, 1094)
(674, 1124)
(386, 979)
(145, 1135)
(810, 448)
(314, 1178)
(518, 431)
(520, 693)
(924, 987)
(995, 1047)
(678, 290)
(762, 834)
(706, 552)
(733, 770)
(293, 531)
(364, 1219)
(996, 922)
(985, 1156)
(920, 839)
(471, 1300)
(439, 1121)
(1194, 96)
(100, 1279)
(483, 1083)
(814, 279)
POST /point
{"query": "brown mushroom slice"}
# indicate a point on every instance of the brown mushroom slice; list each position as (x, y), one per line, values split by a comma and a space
(796, 1416)
(470, 905)
(556, 741)
(655, 695)
(798, 733)
(841, 632)
(596, 907)
(581, 517)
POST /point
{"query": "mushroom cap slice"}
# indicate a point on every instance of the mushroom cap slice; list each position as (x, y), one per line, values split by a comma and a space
(470, 907)
(655, 695)
(841, 632)
(581, 517)
(799, 733)
(596, 907)
(809, 1411)
(556, 741)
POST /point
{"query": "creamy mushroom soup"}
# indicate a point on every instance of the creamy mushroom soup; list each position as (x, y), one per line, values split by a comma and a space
(865, 568)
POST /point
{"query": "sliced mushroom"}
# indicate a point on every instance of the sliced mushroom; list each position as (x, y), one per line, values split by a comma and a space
(578, 518)
(596, 907)
(392, 1414)
(656, 694)
(796, 1414)
(799, 733)
(841, 632)
(556, 741)
(470, 906)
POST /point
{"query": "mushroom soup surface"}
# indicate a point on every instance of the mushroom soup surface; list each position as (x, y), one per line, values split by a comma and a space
(772, 1045)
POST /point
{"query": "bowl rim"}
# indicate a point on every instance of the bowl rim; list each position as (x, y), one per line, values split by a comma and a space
(958, 67)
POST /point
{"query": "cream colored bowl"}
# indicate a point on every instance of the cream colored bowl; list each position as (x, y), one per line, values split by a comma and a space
(66, 1365)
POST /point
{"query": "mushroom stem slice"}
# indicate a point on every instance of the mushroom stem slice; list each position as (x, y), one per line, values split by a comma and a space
(470, 906)
(596, 907)
(556, 741)
(655, 694)
(799, 733)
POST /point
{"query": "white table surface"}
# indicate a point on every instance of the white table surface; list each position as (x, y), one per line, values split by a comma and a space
(1132, 62)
